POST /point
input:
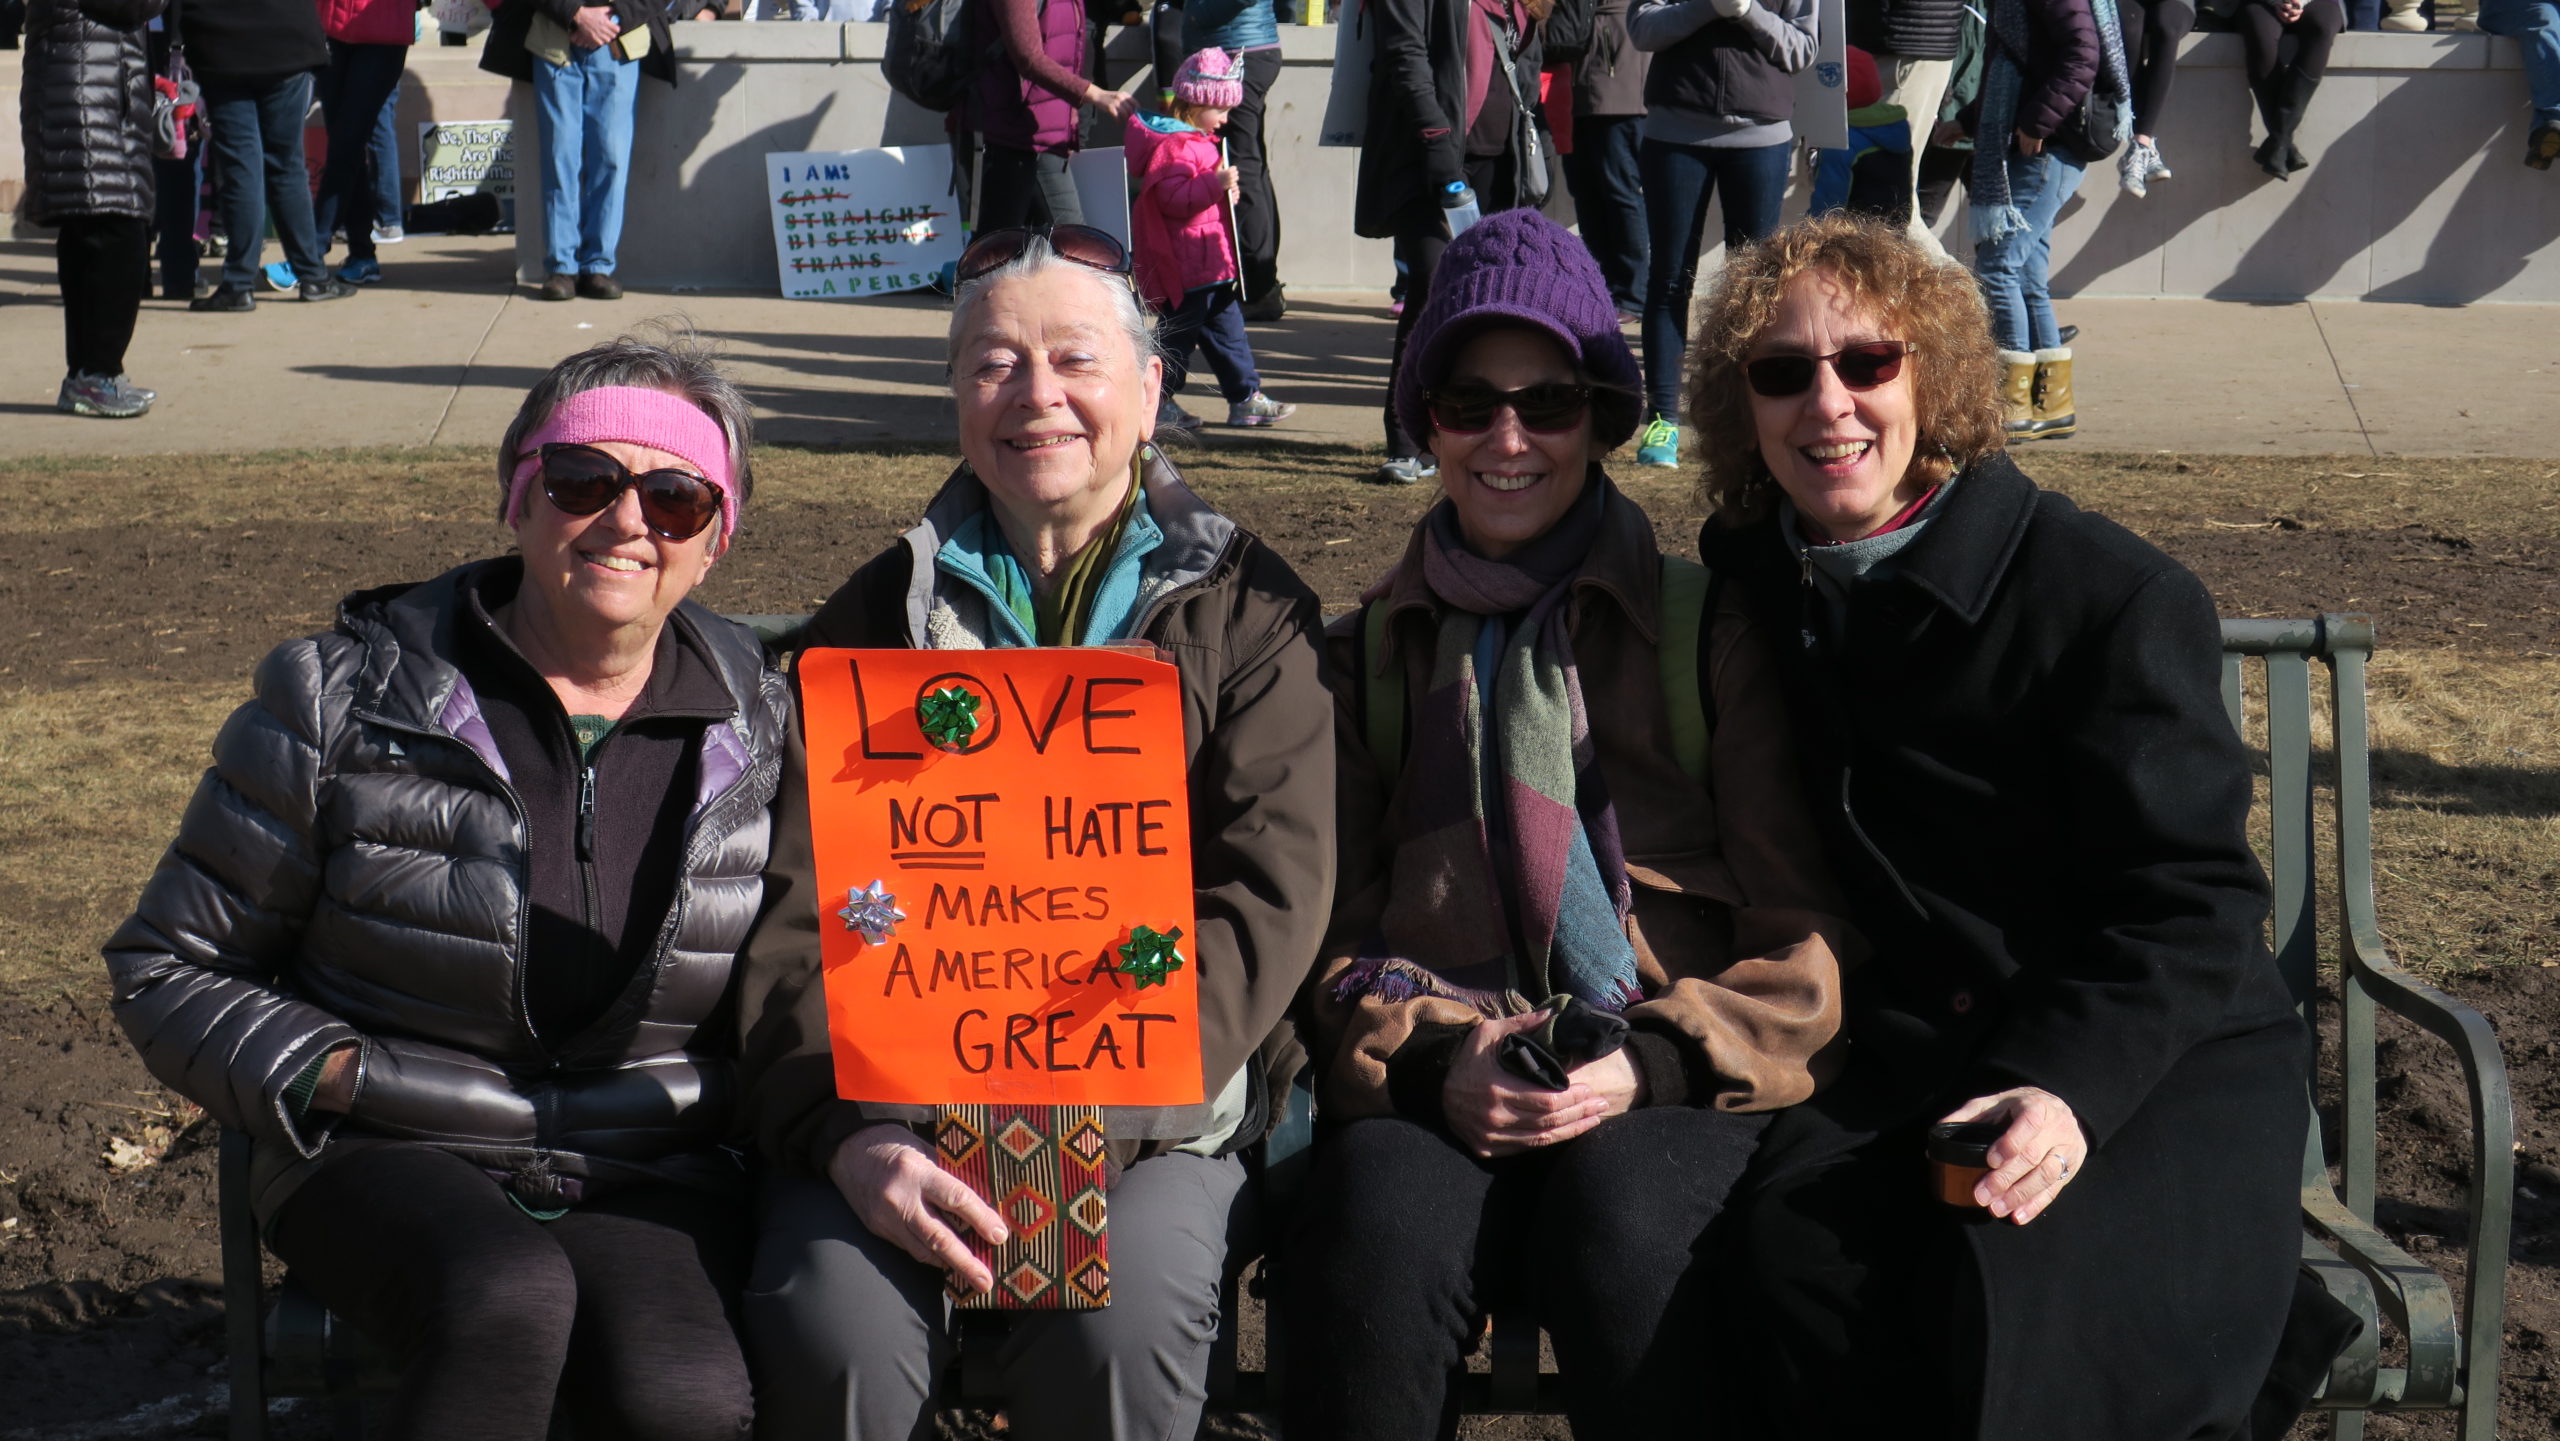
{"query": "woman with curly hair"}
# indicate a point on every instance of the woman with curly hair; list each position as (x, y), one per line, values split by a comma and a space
(2011, 733)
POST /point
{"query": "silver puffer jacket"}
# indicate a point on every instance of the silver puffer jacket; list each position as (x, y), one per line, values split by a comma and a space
(353, 869)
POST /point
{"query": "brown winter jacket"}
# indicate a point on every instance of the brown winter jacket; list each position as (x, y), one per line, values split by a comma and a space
(1258, 736)
(1738, 928)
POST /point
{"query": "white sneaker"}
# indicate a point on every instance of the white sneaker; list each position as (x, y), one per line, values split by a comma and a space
(2133, 171)
(2159, 167)
(1258, 409)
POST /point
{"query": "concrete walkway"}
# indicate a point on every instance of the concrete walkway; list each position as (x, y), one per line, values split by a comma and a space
(443, 353)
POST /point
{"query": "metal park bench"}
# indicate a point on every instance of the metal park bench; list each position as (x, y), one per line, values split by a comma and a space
(2446, 1347)
(2450, 1351)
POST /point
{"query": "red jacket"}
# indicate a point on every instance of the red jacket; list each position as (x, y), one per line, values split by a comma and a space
(370, 22)
(1179, 221)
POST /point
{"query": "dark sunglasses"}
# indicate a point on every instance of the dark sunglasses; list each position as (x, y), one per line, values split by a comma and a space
(1469, 407)
(1098, 249)
(582, 480)
(1860, 367)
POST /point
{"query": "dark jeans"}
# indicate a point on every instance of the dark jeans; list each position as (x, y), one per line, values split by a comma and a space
(1211, 318)
(1608, 198)
(360, 78)
(256, 155)
(1024, 187)
(2152, 30)
(1257, 208)
(104, 264)
(2272, 44)
(1418, 250)
(1679, 180)
(1404, 1241)
(625, 1307)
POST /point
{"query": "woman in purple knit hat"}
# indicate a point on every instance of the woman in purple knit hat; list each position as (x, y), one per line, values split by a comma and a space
(1583, 940)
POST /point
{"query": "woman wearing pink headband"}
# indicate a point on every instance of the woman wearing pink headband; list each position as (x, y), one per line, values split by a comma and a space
(444, 927)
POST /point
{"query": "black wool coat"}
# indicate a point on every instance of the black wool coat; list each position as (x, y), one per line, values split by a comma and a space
(1417, 138)
(2017, 752)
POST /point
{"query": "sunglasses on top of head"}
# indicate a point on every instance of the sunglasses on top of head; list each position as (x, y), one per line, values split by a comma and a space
(582, 480)
(1082, 244)
(1860, 367)
(1470, 407)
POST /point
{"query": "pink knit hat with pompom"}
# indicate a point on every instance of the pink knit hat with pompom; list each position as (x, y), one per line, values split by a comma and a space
(1210, 78)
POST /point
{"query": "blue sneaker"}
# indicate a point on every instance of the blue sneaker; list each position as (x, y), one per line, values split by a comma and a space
(1661, 443)
(367, 271)
(280, 276)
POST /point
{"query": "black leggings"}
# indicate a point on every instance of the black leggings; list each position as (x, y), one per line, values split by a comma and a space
(104, 264)
(1404, 1240)
(2152, 30)
(623, 1308)
(2304, 44)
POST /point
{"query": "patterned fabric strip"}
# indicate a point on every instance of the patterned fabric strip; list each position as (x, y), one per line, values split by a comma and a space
(1042, 1169)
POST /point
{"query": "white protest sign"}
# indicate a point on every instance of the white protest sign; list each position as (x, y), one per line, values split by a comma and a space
(466, 157)
(1346, 108)
(1822, 88)
(861, 222)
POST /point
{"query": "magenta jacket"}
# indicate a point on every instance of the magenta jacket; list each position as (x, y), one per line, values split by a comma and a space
(369, 22)
(1178, 223)
(1031, 84)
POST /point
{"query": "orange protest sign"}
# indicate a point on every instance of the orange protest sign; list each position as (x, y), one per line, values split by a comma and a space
(1007, 914)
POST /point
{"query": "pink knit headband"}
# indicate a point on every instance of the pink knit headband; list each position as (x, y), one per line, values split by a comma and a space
(639, 416)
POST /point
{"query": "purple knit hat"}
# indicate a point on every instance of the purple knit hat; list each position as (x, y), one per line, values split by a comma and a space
(1208, 77)
(1518, 265)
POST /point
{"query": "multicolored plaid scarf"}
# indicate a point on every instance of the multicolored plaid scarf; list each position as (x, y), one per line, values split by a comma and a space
(1509, 884)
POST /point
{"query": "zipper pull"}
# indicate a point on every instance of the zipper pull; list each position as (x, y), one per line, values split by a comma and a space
(1804, 559)
(587, 814)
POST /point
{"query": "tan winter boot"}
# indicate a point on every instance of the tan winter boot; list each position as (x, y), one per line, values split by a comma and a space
(2402, 15)
(2053, 418)
(2018, 393)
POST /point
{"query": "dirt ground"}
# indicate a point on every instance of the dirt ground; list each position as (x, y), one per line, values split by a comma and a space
(145, 590)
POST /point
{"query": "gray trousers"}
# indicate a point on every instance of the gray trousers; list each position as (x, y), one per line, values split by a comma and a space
(846, 1333)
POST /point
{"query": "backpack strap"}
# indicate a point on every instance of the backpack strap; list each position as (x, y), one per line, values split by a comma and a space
(1382, 701)
(1686, 591)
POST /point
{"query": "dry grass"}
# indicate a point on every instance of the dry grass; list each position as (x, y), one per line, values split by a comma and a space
(92, 784)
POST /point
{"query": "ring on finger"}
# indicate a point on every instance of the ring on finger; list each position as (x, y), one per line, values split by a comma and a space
(2063, 1160)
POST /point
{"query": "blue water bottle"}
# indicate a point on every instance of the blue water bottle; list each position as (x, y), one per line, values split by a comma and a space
(1458, 204)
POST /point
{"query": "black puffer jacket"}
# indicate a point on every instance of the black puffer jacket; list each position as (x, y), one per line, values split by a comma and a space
(354, 870)
(1912, 29)
(84, 108)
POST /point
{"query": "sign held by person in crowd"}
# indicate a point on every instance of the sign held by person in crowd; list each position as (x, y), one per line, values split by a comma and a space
(466, 157)
(1004, 876)
(850, 223)
(1822, 88)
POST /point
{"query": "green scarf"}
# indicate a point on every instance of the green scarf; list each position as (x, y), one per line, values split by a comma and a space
(1061, 616)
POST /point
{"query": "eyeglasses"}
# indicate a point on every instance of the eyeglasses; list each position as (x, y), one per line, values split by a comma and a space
(1086, 246)
(582, 480)
(1469, 407)
(1860, 367)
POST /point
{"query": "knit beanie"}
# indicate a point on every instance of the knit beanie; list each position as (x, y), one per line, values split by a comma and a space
(1866, 84)
(1209, 78)
(1517, 265)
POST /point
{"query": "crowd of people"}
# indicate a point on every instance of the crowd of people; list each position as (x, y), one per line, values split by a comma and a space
(1644, 112)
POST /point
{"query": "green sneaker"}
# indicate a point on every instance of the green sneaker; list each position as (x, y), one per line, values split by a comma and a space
(1660, 444)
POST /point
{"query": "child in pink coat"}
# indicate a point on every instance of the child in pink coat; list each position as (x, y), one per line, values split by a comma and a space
(1186, 256)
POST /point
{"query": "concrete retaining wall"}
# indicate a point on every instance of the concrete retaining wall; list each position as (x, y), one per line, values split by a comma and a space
(2415, 193)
